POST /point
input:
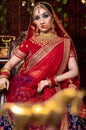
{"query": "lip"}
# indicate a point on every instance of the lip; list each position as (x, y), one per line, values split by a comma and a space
(43, 26)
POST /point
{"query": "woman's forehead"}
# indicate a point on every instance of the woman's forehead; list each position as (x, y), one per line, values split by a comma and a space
(40, 7)
(40, 10)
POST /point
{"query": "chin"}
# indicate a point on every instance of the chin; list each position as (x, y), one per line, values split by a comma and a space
(45, 30)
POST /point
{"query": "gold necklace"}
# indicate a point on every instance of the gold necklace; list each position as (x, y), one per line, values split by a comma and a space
(44, 39)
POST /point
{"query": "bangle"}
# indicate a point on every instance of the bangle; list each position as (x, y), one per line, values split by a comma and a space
(53, 81)
(5, 73)
(49, 83)
(5, 70)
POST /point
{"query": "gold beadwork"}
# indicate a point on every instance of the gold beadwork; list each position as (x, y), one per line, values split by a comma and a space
(5, 70)
(44, 39)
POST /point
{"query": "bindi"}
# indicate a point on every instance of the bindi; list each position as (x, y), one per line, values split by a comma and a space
(39, 9)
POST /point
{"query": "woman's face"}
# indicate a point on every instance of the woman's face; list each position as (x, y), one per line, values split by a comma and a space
(43, 19)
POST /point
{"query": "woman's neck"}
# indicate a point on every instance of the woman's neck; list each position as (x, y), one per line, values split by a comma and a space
(46, 33)
(46, 36)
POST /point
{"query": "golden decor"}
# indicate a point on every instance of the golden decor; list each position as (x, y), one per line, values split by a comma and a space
(49, 112)
(5, 39)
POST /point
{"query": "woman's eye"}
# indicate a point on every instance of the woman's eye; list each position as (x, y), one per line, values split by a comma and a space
(37, 18)
(45, 15)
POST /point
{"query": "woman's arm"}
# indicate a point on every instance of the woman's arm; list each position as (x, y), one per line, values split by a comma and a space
(12, 62)
(4, 82)
(72, 72)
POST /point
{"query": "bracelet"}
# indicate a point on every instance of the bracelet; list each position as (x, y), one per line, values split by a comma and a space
(5, 70)
(53, 81)
(5, 73)
(49, 82)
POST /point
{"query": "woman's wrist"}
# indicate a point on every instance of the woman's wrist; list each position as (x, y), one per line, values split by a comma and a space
(56, 79)
(53, 81)
(49, 83)
(4, 73)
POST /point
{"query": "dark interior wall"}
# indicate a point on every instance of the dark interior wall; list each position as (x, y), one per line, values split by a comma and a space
(17, 17)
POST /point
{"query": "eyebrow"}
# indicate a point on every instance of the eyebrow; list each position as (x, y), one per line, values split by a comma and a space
(45, 13)
(41, 14)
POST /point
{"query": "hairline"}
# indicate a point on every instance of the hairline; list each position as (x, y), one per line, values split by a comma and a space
(44, 7)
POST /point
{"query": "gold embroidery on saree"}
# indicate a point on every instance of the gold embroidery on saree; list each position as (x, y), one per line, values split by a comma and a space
(44, 39)
(20, 54)
(65, 56)
(41, 53)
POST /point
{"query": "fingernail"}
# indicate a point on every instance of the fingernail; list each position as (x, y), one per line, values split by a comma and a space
(39, 92)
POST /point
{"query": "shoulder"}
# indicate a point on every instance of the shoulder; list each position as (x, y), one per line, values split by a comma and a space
(26, 43)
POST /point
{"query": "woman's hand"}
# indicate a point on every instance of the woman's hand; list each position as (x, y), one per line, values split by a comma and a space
(41, 85)
(4, 83)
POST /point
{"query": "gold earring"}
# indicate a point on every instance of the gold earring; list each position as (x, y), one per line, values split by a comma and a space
(37, 31)
(53, 28)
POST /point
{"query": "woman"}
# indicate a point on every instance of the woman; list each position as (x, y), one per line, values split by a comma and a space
(50, 65)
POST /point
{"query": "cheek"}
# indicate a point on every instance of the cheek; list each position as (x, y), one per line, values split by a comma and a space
(36, 23)
(49, 21)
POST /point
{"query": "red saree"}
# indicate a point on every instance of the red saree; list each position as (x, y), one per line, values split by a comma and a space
(42, 62)
(38, 67)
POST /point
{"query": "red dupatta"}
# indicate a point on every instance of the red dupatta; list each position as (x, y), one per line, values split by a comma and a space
(40, 54)
(55, 55)
(38, 60)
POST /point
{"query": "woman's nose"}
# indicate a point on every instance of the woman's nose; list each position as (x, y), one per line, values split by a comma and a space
(41, 21)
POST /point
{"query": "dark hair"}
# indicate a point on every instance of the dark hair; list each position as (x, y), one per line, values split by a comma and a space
(45, 4)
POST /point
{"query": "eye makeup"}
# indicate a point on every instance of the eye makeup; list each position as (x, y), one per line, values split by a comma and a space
(36, 17)
(45, 15)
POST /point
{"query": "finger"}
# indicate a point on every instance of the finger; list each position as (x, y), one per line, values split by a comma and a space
(4, 85)
(7, 85)
(1, 86)
(39, 89)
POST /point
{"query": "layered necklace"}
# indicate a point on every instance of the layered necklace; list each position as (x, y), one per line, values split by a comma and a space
(45, 38)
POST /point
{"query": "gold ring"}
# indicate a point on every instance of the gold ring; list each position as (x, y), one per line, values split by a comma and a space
(1, 86)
